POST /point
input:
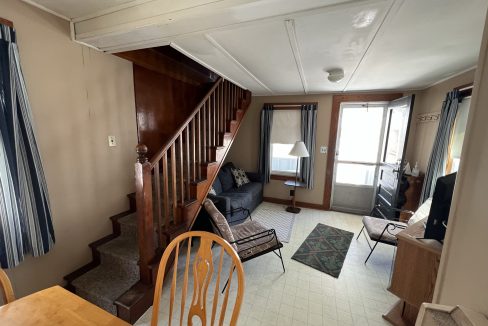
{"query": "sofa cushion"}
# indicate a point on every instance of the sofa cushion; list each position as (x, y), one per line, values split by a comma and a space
(253, 188)
(256, 244)
(239, 199)
(220, 225)
(226, 179)
(217, 186)
(375, 226)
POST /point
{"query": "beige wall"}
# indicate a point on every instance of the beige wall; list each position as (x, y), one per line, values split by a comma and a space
(78, 98)
(422, 134)
(463, 274)
(244, 151)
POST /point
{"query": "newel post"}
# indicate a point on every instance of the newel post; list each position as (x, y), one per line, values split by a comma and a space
(145, 228)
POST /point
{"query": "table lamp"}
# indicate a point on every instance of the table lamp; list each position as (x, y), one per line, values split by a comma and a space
(299, 150)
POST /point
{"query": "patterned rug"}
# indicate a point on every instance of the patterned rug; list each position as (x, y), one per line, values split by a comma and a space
(325, 249)
(272, 217)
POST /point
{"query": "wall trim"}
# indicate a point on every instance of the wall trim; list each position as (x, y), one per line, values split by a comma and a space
(298, 203)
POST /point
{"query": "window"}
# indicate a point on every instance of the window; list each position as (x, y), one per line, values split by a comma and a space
(281, 162)
(457, 138)
(358, 144)
(284, 133)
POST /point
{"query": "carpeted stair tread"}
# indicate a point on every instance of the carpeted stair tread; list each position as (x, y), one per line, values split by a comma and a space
(128, 225)
(129, 220)
(124, 248)
(102, 286)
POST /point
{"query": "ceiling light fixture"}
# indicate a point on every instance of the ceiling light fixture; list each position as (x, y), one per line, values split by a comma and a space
(364, 18)
(335, 75)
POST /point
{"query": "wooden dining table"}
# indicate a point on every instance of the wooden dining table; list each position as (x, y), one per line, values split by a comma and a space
(55, 306)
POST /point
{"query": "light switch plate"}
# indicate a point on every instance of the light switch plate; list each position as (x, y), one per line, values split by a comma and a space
(323, 149)
(111, 141)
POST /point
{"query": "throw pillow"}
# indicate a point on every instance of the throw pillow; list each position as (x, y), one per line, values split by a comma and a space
(220, 225)
(240, 177)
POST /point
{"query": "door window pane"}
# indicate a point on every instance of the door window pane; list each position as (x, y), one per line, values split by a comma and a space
(360, 130)
(355, 174)
(396, 136)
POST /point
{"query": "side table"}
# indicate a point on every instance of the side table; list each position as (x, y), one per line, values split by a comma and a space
(292, 183)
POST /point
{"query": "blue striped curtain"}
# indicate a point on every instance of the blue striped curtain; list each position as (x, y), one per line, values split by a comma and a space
(265, 142)
(438, 156)
(25, 216)
(308, 131)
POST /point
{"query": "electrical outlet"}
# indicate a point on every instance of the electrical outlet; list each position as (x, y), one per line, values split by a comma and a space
(323, 149)
(111, 141)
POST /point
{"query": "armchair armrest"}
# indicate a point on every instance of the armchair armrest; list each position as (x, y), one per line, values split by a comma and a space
(260, 235)
(255, 177)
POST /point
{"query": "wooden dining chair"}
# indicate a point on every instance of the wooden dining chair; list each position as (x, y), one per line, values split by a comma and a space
(7, 290)
(202, 269)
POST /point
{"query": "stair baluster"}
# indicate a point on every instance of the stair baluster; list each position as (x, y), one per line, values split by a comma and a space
(179, 175)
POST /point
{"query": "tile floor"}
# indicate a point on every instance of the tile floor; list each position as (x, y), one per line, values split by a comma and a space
(303, 295)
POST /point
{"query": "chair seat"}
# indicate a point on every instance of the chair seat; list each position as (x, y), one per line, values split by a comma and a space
(258, 245)
(375, 226)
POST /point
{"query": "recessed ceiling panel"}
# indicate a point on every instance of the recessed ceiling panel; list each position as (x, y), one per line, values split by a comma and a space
(422, 42)
(336, 39)
(264, 50)
(201, 50)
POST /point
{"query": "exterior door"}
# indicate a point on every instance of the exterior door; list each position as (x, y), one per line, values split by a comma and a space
(359, 144)
(389, 184)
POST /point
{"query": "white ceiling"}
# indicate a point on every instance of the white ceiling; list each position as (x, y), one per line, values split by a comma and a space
(285, 46)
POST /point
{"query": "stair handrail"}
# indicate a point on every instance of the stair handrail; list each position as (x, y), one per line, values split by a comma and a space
(156, 157)
(172, 182)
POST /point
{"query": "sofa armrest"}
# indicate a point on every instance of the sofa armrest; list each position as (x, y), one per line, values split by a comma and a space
(222, 203)
(255, 177)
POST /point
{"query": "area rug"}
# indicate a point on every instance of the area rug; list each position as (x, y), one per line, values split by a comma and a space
(325, 249)
(275, 218)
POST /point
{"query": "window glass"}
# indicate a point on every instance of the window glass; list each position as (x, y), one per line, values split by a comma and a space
(360, 130)
(395, 141)
(281, 162)
(355, 174)
(457, 140)
(284, 133)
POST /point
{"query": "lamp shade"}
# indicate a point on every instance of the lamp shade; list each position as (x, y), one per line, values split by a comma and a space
(299, 150)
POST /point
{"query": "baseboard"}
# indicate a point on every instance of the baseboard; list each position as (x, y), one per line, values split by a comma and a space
(298, 203)
(349, 210)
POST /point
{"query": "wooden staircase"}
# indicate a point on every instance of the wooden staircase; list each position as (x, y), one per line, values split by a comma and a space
(170, 188)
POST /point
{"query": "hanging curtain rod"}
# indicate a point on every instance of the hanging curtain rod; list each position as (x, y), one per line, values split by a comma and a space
(6, 22)
(464, 87)
(284, 106)
(465, 90)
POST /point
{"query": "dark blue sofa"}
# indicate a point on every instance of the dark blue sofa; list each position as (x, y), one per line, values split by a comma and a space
(231, 200)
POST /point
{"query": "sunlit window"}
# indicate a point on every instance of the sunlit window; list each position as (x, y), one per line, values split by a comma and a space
(457, 139)
(281, 162)
(284, 133)
(358, 144)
